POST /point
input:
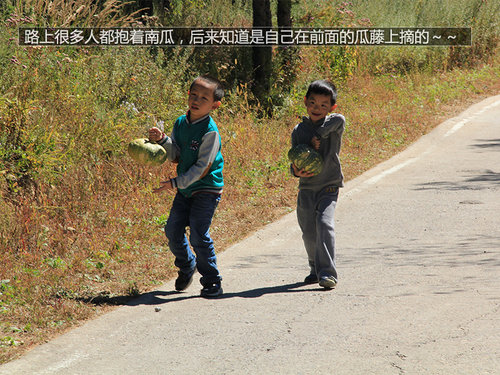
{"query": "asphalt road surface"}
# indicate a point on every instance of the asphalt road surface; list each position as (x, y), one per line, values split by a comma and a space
(418, 240)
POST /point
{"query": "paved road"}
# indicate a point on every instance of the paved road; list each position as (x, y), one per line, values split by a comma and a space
(419, 293)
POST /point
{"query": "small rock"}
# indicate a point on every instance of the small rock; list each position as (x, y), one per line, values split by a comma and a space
(157, 309)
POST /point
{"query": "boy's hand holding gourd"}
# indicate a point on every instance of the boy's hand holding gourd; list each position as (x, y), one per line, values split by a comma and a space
(156, 135)
(301, 172)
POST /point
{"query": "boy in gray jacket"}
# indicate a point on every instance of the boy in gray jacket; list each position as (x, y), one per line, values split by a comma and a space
(318, 194)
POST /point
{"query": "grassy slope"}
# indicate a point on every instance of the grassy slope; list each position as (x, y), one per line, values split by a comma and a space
(80, 230)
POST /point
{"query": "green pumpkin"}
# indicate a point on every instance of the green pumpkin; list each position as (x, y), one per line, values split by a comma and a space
(147, 153)
(307, 158)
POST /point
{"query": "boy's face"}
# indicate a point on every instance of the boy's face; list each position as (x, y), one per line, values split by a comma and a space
(318, 106)
(201, 99)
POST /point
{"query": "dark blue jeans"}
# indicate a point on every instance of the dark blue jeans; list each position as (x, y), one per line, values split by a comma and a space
(196, 213)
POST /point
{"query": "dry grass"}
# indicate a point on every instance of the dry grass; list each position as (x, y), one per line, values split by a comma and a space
(81, 13)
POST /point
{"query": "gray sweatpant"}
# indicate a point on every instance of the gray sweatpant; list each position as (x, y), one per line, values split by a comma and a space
(315, 214)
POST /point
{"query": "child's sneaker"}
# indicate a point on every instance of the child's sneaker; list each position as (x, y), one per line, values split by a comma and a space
(183, 281)
(311, 279)
(211, 290)
(328, 282)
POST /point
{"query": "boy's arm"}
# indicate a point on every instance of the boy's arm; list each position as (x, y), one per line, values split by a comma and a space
(333, 123)
(294, 143)
(209, 147)
(168, 143)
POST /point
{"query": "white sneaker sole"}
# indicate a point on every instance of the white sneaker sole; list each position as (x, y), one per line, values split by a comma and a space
(327, 283)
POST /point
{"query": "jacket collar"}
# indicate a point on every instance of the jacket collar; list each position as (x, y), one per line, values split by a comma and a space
(197, 121)
(318, 124)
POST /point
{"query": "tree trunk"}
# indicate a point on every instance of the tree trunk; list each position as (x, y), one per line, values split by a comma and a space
(284, 13)
(262, 56)
(287, 55)
(159, 9)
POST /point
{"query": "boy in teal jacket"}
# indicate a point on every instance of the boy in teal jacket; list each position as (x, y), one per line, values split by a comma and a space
(195, 144)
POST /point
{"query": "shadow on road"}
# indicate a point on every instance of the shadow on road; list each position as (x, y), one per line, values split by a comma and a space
(476, 180)
(159, 297)
(487, 143)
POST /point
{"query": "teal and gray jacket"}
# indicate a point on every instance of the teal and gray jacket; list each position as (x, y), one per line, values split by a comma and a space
(330, 132)
(197, 148)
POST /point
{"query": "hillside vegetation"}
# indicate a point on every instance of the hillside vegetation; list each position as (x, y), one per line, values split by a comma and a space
(80, 229)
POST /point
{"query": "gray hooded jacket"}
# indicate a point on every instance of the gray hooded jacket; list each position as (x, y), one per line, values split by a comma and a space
(330, 132)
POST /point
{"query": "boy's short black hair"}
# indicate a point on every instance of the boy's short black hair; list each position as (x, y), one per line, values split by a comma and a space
(323, 87)
(219, 89)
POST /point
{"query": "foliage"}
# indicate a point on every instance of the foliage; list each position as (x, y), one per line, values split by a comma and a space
(342, 62)
(81, 13)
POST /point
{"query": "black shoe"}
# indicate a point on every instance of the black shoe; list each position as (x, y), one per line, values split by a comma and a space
(211, 290)
(311, 279)
(183, 281)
